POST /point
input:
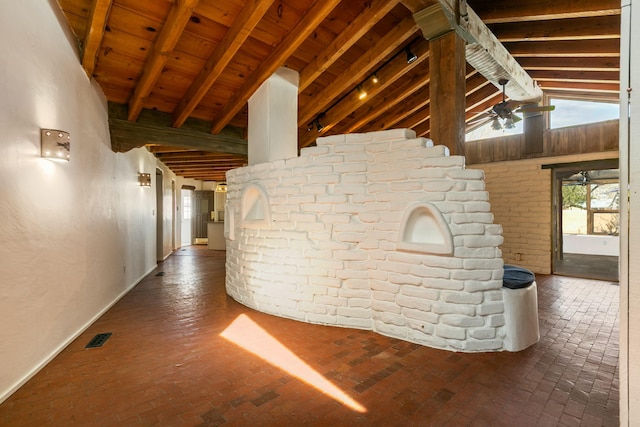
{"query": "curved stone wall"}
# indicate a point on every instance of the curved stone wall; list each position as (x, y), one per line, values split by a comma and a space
(320, 238)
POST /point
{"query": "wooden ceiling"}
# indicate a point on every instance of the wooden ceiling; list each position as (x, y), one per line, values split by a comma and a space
(178, 74)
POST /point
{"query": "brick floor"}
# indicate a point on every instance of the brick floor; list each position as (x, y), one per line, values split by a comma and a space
(167, 364)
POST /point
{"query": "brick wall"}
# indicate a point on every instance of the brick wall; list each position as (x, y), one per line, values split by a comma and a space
(521, 202)
(315, 238)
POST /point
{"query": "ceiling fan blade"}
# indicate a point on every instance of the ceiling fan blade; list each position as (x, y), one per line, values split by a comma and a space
(535, 109)
(480, 118)
(512, 105)
(479, 123)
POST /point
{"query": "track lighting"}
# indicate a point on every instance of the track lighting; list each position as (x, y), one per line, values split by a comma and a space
(411, 57)
(375, 78)
(361, 93)
(319, 126)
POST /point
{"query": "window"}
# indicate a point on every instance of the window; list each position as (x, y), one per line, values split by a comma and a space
(591, 203)
(572, 112)
(487, 130)
(186, 207)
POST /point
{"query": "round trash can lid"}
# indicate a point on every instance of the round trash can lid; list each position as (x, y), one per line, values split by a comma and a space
(517, 277)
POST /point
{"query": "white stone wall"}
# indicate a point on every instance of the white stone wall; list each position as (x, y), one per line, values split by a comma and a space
(324, 249)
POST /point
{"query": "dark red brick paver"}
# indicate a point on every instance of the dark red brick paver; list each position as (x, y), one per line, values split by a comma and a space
(166, 364)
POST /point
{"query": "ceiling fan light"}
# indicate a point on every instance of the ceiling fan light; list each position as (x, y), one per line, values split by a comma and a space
(508, 123)
(495, 125)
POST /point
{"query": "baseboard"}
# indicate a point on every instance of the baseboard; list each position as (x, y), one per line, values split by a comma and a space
(7, 393)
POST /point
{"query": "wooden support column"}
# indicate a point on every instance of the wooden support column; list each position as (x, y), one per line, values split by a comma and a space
(533, 133)
(447, 68)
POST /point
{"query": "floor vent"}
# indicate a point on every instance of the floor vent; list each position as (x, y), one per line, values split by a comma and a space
(160, 273)
(98, 340)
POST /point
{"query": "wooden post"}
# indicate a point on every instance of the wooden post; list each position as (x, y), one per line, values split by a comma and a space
(447, 67)
(533, 133)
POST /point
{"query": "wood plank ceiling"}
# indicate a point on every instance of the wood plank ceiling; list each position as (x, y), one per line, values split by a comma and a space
(178, 74)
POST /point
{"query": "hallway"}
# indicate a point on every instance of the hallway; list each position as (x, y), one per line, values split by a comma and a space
(175, 359)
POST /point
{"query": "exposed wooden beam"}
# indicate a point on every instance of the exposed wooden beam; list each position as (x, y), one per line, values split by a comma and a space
(199, 161)
(418, 5)
(475, 83)
(565, 86)
(169, 149)
(481, 101)
(198, 157)
(602, 63)
(155, 128)
(372, 13)
(387, 105)
(359, 69)
(296, 36)
(95, 32)
(483, 51)
(577, 76)
(417, 119)
(541, 10)
(242, 26)
(566, 48)
(415, 102)
(415, 112)
(171, 31)
(423, 129)
(592, 28)
(387, 76)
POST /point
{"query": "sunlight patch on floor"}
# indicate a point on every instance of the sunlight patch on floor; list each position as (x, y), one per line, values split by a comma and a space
(245, 333)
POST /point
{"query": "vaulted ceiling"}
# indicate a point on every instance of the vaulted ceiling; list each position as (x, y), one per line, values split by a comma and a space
(178, 74)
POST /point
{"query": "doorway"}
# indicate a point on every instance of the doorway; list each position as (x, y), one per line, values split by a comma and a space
(186, 197)
(159, 216)
(587, 220)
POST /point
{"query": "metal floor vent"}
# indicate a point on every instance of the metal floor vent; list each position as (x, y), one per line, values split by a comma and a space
(160, 273)
(98, 340)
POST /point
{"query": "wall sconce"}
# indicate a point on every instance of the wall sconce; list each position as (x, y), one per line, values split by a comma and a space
(55, 144)
(144, 179)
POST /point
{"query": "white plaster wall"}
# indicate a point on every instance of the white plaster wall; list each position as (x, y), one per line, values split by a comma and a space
(590, 244)
(317, 238)
(630, 216)
(74, 237)
(521, 202)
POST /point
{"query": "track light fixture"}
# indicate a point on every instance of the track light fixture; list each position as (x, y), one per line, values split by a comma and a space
(319, 125)
(411, 57)
(361, 92)
(375, 78)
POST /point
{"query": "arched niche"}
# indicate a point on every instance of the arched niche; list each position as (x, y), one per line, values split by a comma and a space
(255, 207)
(423, 229)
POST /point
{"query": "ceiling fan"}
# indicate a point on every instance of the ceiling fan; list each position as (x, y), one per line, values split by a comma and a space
(502, 114)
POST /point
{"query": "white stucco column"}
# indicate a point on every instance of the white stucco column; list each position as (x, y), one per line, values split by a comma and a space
(273, 118)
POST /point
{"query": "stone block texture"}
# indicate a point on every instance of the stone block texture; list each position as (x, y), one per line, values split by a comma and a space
(315, 238)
